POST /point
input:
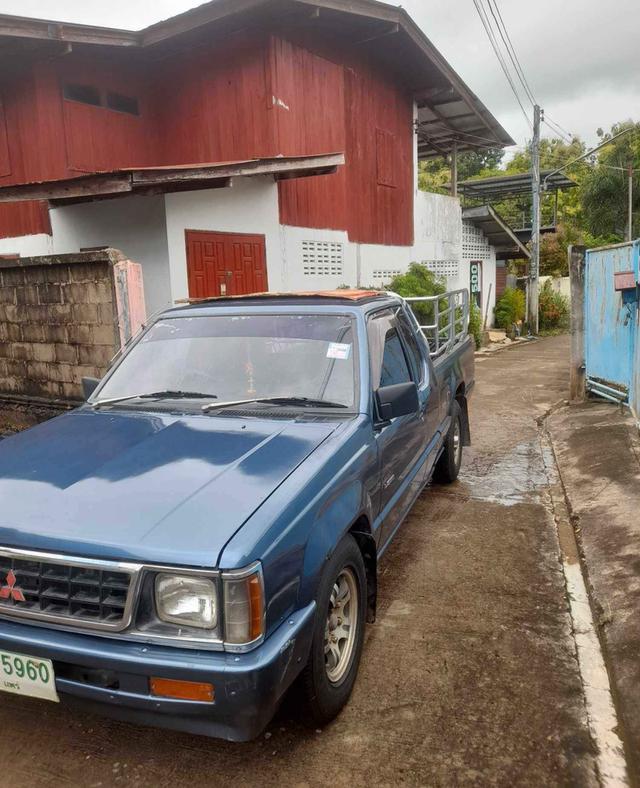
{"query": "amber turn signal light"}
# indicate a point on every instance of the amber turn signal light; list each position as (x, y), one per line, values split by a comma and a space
(183, 690)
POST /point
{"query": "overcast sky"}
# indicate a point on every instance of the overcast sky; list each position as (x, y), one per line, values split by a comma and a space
(581, 57)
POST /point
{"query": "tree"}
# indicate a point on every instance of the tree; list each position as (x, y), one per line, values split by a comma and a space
(553, 250)
(554, 153)
(435, 174)
(604, 190)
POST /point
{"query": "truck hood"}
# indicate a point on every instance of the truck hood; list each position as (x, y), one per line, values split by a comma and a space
(144, 487)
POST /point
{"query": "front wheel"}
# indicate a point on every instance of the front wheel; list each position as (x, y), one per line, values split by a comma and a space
(330, 673)
(448, 466)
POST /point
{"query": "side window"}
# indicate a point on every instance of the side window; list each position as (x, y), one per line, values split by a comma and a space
(416, 358)
(394, 364)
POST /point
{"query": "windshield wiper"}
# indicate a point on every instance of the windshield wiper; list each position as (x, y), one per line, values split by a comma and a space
(303, 401)
(168, 394)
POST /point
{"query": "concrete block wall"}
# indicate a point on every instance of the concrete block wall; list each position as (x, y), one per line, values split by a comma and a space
(60, 321)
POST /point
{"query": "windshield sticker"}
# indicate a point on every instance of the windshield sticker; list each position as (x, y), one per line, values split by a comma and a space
(338, 350)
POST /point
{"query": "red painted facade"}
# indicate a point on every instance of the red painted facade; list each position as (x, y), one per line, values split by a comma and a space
(253, 95)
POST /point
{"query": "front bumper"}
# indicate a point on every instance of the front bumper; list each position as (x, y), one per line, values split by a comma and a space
(111, 676)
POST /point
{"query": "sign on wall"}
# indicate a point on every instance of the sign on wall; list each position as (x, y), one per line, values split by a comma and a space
(475, 281)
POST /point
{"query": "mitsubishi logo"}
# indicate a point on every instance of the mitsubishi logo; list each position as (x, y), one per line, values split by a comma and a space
(10, 590)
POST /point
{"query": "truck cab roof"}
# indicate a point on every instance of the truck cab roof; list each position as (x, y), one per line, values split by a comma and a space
(349, 298)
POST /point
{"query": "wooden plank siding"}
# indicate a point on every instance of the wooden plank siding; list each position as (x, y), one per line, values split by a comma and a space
(249, 95)
(212, 104)
(372, 197)
(309, 109)
(24, 218)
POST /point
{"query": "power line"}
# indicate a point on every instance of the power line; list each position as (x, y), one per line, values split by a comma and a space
(506, 40)
(557, 131)
(492, 40)
(562, 128)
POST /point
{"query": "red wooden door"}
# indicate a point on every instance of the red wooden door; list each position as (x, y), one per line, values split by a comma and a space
(220, 264)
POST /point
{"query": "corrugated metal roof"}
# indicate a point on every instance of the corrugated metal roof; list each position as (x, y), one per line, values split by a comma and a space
(511, 185)
(496, 230)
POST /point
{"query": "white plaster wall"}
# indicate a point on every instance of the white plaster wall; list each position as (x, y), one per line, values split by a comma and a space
(27, 245)
(438, 237)
(297, 279)
(135, 225)
(438, 226)
(249, 205)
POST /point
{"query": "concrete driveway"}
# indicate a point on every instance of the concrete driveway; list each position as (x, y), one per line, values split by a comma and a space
(468, 677)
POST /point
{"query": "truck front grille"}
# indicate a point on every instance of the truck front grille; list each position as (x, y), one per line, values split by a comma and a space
(69, 591)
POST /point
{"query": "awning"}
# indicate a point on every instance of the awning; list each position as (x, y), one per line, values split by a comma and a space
(497, 232)
(161, 180)
(504, 186)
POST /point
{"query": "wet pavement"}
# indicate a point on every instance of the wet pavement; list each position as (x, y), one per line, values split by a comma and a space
(469, 676)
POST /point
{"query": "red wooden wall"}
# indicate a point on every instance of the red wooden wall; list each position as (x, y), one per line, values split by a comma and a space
(371, 120)
(213, 103)
(253, 95)
(98, 138)
(310, 115)
(24, 218)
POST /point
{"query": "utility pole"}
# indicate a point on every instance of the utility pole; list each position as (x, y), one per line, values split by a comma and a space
(534, 263)
(630, 196)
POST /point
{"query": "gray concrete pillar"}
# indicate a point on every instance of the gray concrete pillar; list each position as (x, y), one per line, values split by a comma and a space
(577, 378)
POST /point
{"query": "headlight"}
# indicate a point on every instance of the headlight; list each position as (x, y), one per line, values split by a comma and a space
(189, 601)
(244, 606)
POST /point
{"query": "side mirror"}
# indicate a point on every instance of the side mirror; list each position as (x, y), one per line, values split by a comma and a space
(398, 400)
(89, 385)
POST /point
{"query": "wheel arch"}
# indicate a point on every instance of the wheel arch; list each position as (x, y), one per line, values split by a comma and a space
(461, 399)
(360, 530)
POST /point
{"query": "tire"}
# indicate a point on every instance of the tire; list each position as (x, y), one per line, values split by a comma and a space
(327, 679)
(448, 466)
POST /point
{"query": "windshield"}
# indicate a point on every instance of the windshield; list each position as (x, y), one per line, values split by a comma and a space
(229, 358)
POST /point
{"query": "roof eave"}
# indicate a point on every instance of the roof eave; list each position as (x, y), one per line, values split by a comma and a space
(158, 180)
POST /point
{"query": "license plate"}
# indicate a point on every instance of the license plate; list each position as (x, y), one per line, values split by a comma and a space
(30, 676)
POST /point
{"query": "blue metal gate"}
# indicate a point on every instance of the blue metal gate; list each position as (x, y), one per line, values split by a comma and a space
(612, 341)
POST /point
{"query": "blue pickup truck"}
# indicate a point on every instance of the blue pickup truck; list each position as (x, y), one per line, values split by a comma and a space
(206, 529)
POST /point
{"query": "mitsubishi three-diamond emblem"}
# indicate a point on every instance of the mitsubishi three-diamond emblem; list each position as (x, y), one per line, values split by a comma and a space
(9, 590)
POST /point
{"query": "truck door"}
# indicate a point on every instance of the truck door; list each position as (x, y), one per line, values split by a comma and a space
(403, 440)
(429, 394)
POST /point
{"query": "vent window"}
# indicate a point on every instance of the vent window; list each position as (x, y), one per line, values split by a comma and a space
(94, 97)
(322, 258)
(474, 243)
(85, 94)
(447, 268)
(385, 275)
(120, 103)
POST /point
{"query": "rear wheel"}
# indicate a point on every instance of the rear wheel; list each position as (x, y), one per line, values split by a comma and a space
(448, 466)
(329, 676)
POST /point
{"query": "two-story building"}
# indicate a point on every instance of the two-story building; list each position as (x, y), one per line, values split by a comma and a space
(244, 145)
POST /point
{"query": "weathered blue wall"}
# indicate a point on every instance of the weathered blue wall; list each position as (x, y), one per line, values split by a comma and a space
(634, 393)
(610, 316)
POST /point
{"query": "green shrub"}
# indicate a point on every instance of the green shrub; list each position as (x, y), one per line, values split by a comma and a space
(475, 324)
(420, 281)
(553, 308)
(510, 308)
